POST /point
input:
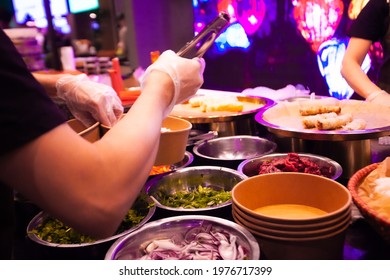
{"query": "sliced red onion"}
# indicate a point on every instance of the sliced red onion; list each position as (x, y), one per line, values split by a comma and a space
(198, 243)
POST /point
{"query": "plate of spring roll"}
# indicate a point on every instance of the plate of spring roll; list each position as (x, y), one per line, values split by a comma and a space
(327, 119)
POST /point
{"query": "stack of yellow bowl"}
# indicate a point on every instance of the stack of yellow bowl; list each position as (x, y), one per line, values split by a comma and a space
(173, 140)
(294, 215)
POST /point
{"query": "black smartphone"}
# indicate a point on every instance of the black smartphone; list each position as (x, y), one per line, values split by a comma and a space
(198, 46)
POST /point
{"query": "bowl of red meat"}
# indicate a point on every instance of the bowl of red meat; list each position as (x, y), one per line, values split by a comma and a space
(291, 162)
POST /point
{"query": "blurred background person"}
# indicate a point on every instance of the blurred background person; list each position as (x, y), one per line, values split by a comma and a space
(371, 25)
(121, 48)
(5, 18)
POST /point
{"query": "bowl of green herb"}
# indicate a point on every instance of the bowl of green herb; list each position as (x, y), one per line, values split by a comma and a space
(49, 231)
(197, 188)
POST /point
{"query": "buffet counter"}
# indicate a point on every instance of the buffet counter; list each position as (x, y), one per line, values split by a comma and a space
(361, 243)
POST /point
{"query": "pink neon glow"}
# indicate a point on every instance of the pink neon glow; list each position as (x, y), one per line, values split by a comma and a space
(317, 20)
(250, 14)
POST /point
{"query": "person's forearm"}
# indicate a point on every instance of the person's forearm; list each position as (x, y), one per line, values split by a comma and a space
(116, 166)
(357, 79)
(351, 67)
(91, 186)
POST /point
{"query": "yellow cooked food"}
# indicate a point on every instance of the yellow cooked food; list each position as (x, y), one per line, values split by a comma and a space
(212, 104)
(375, 189)
(377, 195)
(290, 211)
(314, 110)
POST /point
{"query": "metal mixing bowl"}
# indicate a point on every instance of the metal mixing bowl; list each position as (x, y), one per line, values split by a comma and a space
(131, 246)
(189, 179)
(230, 151)
(41, 217)
(250, 167)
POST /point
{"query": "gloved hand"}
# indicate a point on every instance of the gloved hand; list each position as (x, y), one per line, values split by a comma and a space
(186, 74)
(379, 97)
(89, 101)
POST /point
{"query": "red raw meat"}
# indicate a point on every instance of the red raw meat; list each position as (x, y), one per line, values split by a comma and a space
(293, 163)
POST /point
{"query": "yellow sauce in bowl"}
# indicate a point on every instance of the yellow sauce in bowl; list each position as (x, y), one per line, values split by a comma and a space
(290, 211)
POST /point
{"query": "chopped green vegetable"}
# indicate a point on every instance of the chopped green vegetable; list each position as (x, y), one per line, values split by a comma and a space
(202, 197)
(54, 231)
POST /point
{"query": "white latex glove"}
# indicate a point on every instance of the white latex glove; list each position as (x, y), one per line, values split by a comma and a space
(186, 74)
(89, 101)
(379, 97)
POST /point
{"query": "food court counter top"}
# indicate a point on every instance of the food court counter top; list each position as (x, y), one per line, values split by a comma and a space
(361, 243)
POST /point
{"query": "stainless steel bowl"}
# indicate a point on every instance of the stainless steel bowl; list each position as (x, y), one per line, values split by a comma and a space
(230, 151)
(186, 161)
(41, 217)
(131, 246)
(250, 167)
(189, 179)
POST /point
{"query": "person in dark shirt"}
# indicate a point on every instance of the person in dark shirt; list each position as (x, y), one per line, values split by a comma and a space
(89, 186)
(371, 25)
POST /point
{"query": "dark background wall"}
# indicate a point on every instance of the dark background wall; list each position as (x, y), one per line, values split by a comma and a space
(278, 57)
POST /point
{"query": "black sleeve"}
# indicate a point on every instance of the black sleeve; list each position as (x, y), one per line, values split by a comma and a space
(371, 23)
(26, 111)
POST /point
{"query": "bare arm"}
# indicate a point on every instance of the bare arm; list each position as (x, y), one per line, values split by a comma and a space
(351, 67)
(48, 81)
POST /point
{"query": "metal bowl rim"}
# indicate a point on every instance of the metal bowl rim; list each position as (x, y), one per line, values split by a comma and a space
(43, 215)
(250, 239)
(268, 102)
(196, 148)
(154, 180)
(331, 135)
(338, 167)
(188, 159)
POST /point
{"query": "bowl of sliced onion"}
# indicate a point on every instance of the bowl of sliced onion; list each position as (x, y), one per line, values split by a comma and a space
(187, 237)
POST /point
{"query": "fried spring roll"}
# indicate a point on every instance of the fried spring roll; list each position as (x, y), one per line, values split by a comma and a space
(320, 109)
(356, 124)
(334, 123)
(310, 121)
